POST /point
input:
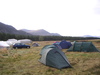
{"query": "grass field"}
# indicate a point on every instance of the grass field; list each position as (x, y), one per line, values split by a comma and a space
(25, 62)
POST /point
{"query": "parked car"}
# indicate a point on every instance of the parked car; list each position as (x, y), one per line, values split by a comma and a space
(20, 45)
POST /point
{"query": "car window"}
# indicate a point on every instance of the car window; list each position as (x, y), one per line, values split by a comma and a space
(19, 44)
(22, 44)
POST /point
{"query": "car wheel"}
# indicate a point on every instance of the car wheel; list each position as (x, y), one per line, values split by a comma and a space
(16, 48)
(28, 47)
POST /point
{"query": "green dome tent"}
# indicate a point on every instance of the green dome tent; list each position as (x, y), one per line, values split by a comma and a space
(83, 47)
(52, 56)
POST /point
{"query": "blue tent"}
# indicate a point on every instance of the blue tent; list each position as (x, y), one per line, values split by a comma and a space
(65, 45)
(57, 44)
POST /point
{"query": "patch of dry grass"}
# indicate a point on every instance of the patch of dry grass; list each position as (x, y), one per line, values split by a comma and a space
(25, 62)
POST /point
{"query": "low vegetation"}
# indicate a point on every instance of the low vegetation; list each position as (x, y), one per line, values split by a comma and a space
(41, 38)
(25, 62)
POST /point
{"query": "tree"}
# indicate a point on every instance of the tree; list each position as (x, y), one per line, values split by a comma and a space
(41, 38)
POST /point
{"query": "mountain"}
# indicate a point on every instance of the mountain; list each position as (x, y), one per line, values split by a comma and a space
(90, 36)
(25, 30)
(40, 32)
(4, 28)
(55, 34)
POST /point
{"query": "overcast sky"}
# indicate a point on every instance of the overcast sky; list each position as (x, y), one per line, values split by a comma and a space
(66, 17)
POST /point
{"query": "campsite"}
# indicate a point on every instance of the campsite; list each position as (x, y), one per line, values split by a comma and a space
(25, 61)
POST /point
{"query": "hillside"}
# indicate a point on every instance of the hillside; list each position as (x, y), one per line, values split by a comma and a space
(7, 29)
(4, 28)
(40, 32)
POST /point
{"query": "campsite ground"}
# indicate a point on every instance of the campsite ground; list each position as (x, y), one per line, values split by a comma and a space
(25, 62)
